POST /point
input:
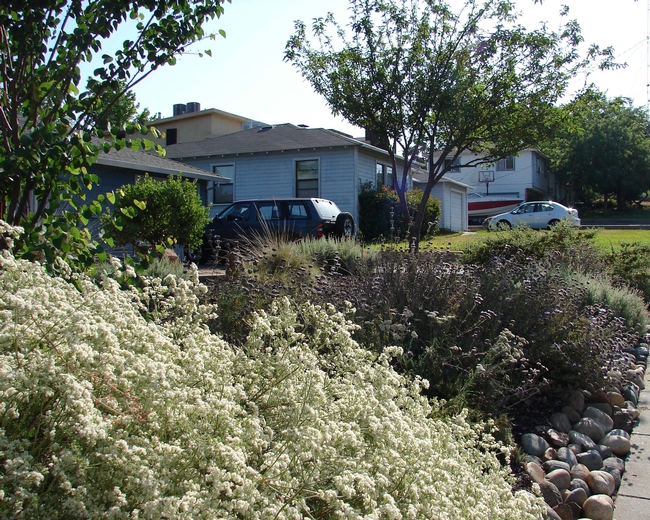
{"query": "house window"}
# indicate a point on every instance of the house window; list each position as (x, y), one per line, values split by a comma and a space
(171, 136)
(384, 175)
(307, 178)
(454, 165)
(222, 191)
(506, 164)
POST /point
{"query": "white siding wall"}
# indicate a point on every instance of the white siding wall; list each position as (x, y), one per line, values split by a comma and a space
(513, 182)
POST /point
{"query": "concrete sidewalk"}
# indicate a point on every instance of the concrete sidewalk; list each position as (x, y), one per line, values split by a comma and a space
(633, 499)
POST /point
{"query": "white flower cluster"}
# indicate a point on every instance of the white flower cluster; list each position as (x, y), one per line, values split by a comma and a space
(107, 414)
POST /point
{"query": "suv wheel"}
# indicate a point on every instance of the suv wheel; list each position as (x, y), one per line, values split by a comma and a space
(344, 227)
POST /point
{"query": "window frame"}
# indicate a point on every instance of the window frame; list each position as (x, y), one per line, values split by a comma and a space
(502, 164)
(302, 192)
(216, 183)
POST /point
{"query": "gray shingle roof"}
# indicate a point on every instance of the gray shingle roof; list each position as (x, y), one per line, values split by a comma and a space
(285, 137)
(151, 162)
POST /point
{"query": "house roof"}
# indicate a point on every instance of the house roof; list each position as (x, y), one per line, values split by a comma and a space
(422, 176)
(277, 138)
(151, 162)
(199, 113)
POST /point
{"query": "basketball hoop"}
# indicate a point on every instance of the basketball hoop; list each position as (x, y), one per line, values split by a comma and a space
(486, 177)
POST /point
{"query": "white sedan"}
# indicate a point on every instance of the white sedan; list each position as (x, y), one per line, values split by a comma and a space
(537, 215)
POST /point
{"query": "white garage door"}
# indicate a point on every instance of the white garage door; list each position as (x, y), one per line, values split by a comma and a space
(456, 220)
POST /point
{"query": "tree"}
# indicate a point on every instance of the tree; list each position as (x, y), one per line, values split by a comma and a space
(116, 105)
(426, 79)
(603, 147)
(158, 214)
(46, 125)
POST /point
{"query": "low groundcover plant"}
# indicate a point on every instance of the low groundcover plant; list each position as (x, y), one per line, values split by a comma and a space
(119, 403)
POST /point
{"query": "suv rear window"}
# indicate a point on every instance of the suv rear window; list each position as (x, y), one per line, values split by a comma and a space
(326, 208)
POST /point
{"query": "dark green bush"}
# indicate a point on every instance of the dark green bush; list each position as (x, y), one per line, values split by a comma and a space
(156, 213)
(569, 246)
(631, 266)
(380, 216)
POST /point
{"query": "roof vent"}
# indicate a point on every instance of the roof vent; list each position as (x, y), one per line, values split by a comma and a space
(303, 126)
(265, 128)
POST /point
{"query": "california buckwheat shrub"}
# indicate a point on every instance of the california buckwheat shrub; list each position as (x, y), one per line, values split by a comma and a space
(115, 406)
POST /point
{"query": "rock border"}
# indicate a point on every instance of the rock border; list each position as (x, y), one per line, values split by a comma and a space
(578, 458)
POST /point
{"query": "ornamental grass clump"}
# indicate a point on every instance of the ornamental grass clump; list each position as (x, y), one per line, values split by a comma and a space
(110, 410)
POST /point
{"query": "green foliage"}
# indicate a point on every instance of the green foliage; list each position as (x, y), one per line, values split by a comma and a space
(380, 217)
(630, 265)
(116, 105)
(46, 125)
(427, 79)
(602, 147)
(566, 244)
(158, 213)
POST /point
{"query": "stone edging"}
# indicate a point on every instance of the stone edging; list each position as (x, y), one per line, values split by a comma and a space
(578, 459)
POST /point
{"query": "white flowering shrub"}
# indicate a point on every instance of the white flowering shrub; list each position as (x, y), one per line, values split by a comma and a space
(110, 411)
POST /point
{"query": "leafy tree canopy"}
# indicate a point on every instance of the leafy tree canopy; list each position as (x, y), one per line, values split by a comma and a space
(602, 147)
(46, 123)
(116, 106)
(431, 81)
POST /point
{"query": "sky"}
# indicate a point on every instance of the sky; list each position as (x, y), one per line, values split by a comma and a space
(247, 76)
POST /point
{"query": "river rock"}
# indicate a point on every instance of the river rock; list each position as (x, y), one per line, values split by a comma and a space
(631, 394)
(534, 444)
(601, 483)
(619, 444)
(571, 414)
(580, 471)
(636, 378)
(584, 441)
(565, 512)
(576, 400)
(599, 507)
(566, 455)
(590, 428)
(614, 463)
(551, 493)
(605, 451)
(560, 477)
(624, 419)
(591, 459)
(577, 496)
(558, 439)
(552, 465)
(535, 472)
(605, 420)
(560, 422)
(550, 454)
(616, 398)
(604, 407)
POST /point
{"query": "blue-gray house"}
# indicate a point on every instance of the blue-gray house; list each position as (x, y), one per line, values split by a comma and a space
(286, 161)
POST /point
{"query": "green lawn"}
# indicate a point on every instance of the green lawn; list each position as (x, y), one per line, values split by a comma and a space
(605, 239)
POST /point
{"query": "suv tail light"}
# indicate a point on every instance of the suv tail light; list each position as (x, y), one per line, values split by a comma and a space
(319, 230)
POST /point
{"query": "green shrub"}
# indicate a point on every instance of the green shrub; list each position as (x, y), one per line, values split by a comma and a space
(631, 266)
(380, 216)
(566, 244)
(622, 300)
(157, 213)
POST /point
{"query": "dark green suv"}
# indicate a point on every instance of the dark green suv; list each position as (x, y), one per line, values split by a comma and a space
(296, 218)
